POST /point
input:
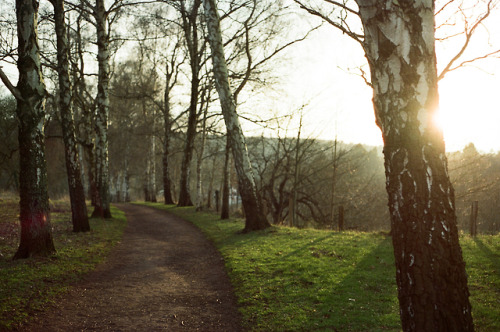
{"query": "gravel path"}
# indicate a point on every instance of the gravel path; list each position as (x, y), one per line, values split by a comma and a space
(164, 276)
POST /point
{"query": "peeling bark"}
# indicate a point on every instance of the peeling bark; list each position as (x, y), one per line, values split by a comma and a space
(254, 218)
(79, 215)
(431, 278)
(102, 207)
(36, 231)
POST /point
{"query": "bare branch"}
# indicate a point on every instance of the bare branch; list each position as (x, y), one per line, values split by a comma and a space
(279, 49)
(468, 37)
(363, 75)
(15, 91)
(117, 5)
(84, 8)
(343, 6)
(443, 8)
(463, 63)
(248, 54)
(357, 37)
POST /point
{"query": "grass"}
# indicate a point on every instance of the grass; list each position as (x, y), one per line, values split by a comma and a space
(482, 256)
(29, 284)
(290, 279)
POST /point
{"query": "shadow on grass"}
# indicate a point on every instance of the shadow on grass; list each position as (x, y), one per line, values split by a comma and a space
(490, 255)
(308, 245)
(307, 281)
(366, 298)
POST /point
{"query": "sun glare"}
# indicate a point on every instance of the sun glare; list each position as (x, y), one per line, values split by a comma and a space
(470, 111)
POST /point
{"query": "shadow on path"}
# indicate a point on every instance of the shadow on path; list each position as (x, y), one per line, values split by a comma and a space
(164, 276)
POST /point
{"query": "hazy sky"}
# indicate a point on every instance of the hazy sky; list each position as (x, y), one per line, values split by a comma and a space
(324, 74)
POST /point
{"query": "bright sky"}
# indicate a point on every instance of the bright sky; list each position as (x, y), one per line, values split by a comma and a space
(324, 74)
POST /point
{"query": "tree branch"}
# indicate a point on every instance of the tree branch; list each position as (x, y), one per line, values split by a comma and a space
(468, 37)
(443, 7)
(15, 91)
(279, 49)
(474, 60)
(357, 37)
(343, 6)
(120, 4)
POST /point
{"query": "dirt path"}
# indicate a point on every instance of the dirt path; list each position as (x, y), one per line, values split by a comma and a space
(164, 276)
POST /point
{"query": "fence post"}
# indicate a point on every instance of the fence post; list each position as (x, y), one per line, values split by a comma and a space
(473, 218)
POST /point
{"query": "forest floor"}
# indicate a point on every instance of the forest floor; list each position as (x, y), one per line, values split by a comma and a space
(164, 275)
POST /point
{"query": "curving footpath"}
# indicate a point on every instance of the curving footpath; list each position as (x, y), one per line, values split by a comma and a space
(164, 276)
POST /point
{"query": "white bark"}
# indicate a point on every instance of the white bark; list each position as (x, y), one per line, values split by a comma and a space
(199, 162)
(36, 231)
(101, 123)
(431, 279)
(254, 218)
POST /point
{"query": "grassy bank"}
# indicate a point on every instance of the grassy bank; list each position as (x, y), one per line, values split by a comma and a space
(288, 279)
(29, 284)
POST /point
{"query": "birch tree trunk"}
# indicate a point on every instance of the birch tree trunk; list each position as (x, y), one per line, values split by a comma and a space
(224, 211)
(102, 208)
(167, 183)
(91, 170)
(191, 33)
(79, 215)
(126, 177)
(211, 183)
(334, 182)
(255, 219)
(431, 278)
(36, 231)
(187, 157)
(199, 161)
(79, 94)
(146, 178)
(147, 170)
(152, 172)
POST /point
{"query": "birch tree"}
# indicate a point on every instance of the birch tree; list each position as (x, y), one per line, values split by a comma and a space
(168, 33)
(224, 211)
(101, 18)
(195, 46)
(171, 73)
(102, 207)
(84, 103)
(432, 283)
(201, 149)
(76, 192)
(254, 218)
(36, 230)
(399, 44)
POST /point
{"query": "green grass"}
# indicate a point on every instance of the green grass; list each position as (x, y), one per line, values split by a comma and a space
(482, 256)
(29, 284)
(289, 279)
